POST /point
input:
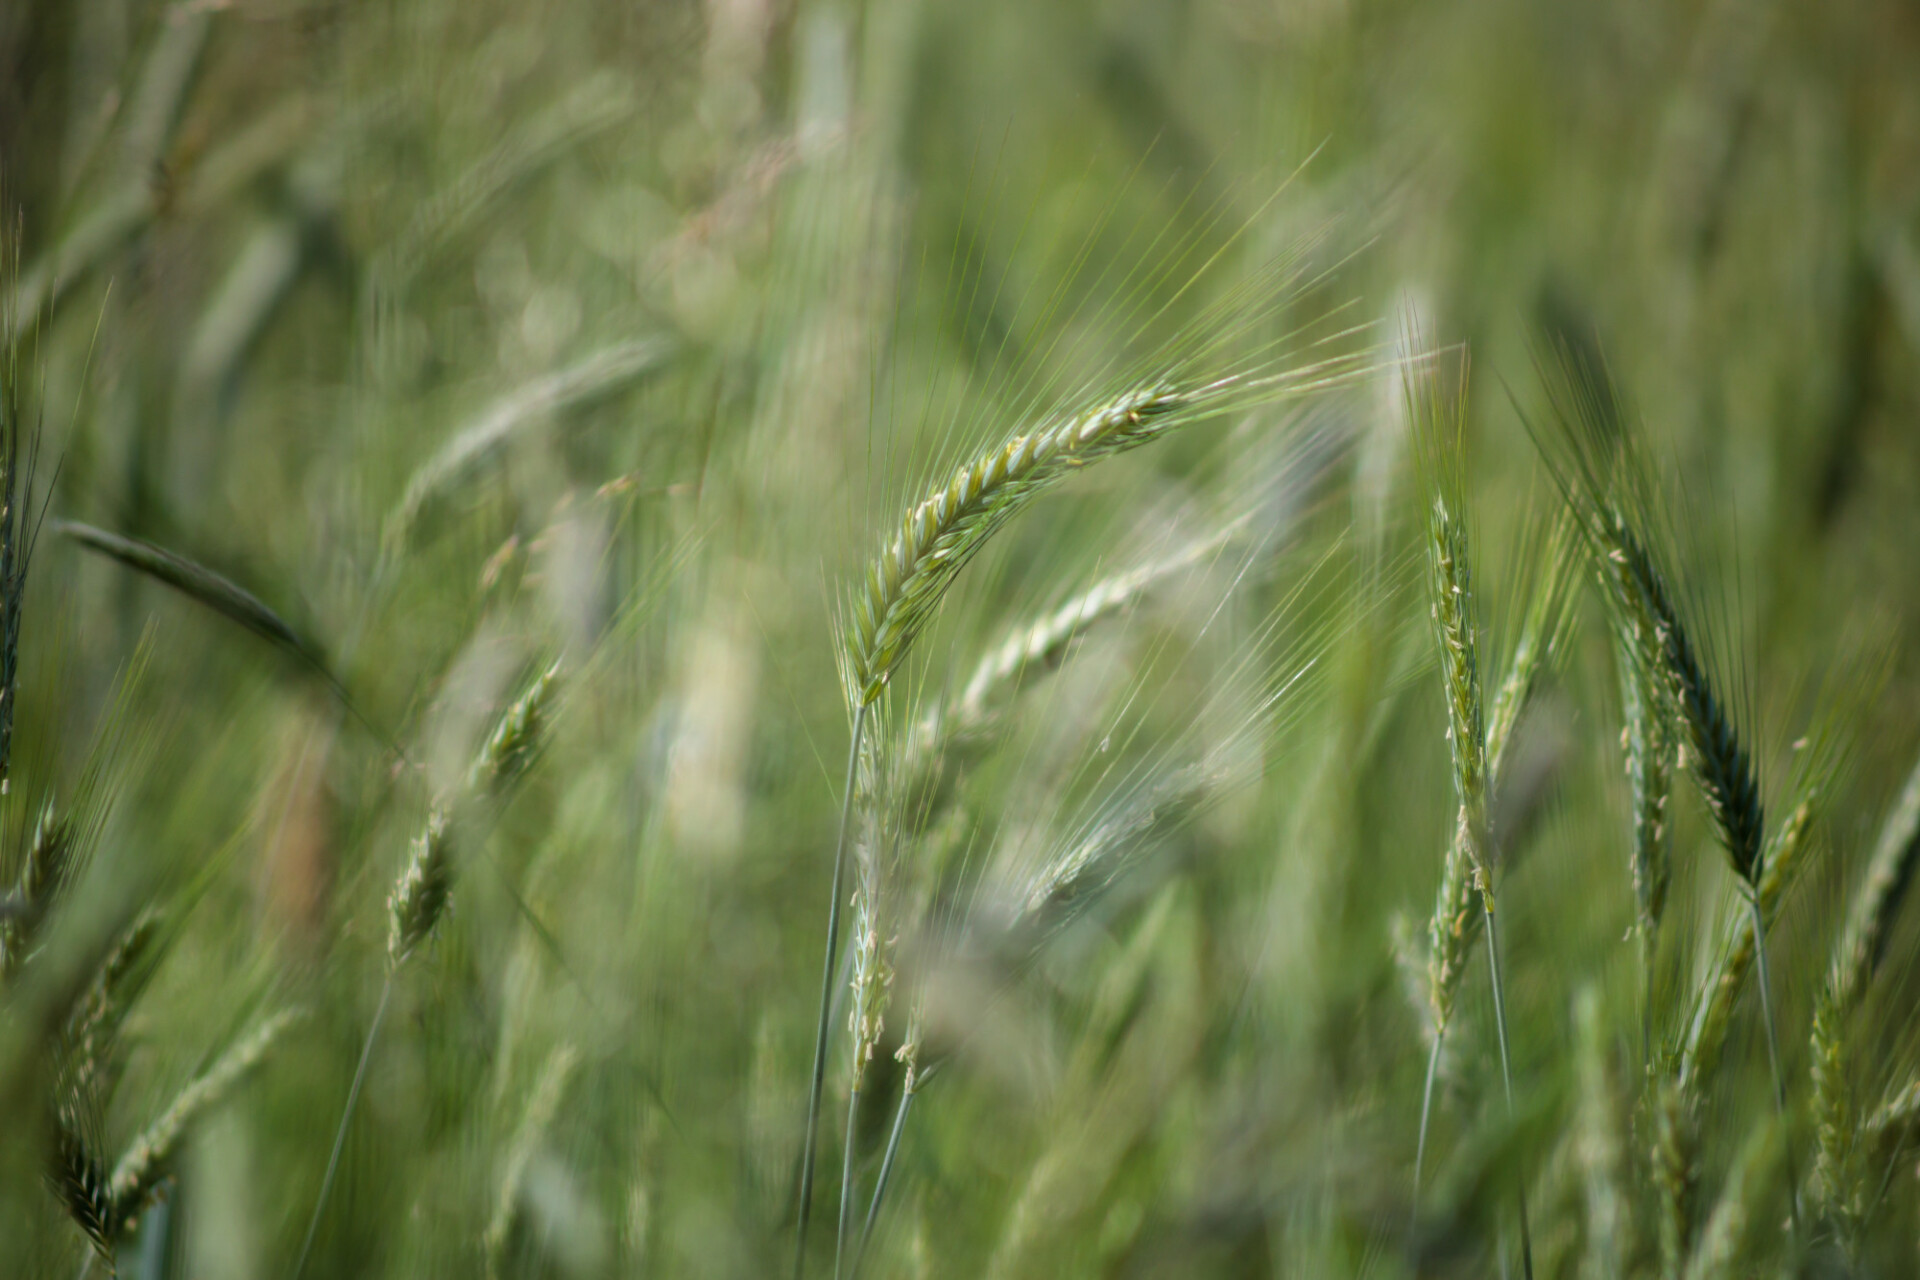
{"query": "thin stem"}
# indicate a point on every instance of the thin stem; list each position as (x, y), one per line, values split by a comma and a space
(886, 1173)
(826, 1001)
(340, 1138)
(1426, 1113)
(1773, 1053)
(1506, 1067)
(846, 1180)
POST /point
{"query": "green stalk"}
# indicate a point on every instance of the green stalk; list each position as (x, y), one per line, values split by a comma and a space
(1426, 1114)
(826, 1000)
(907, 1093)
(340, 1138)
(846, 1181)
(1773, 1055)
(1506, 1067)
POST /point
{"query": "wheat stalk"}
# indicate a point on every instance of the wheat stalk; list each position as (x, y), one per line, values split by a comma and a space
(1438, 428)
(423, 891)
(1612, 494)
(904, 585)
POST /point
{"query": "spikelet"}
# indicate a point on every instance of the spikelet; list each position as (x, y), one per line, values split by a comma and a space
(1062, 882)
(139, 1178)
(81, 1184)
(1885, 884)
(1895, 1120)
(1042, 644)
(1721, 765)
(872, 972)
(1649, 752)
(1451, 593)
(43, 873)
(516, 739)
(942, 533)
(1455, 924)
(95, 1020)
(85, 1067)
(1451, 931)
(1450, 605)
(420, 896)
(1838, 1176)
(872, 980)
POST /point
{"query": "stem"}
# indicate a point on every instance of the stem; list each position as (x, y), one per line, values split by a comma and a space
(340, 1138)
(1426, 1113)
(1773, 1053)
(886, 1171)
(1506, 1066)
(826, 1001)
(846, 1180)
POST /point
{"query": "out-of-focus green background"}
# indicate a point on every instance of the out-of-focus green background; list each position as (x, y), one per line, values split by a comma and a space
(724, 282)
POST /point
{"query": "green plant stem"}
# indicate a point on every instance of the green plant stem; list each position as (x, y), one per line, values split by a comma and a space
(826, 1000)
(346, 1115)
(846, 1181)
(1506, 1067)
(1426, 1114)
(1773, 1054)
(886, 1174)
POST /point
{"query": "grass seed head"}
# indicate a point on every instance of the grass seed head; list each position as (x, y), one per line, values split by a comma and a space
(937, 538)
(517, 738)
(81, 1185)
(421, 895)
(139, 1179)
(1889, 873)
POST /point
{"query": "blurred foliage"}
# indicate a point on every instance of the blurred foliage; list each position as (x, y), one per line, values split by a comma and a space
(465, 337)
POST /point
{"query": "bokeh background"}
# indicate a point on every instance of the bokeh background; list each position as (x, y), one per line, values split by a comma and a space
(471, 336)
